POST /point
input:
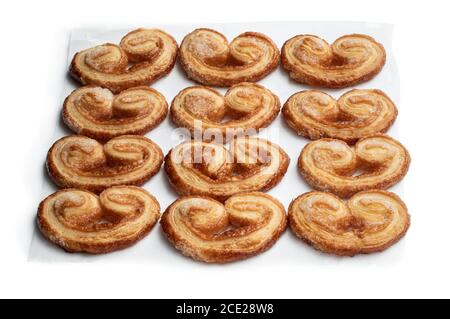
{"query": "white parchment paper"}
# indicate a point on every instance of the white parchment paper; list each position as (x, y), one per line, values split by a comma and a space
(154, 248)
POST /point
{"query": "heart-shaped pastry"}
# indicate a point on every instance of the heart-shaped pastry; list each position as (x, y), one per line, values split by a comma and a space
(81, 162)
(374, 162)
(368, 222)
(350, 60)
(209, 169)
(144, 55)
(356, 114)
(80, 221)
(248, 106)
(208, 58)
(206, 230)
(98, 113)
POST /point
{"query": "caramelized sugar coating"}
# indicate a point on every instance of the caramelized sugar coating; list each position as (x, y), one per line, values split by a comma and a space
(80, 221)
(207, 230)
(350, 60)
(208, 58)
(150, 52)
(370, 221)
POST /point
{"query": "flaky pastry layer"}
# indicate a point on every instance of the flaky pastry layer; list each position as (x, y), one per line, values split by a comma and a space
(143, 56)
(370, 221)
(209, 169)
(350, 60)
(80, 221)
(206, 230)
(248, 105)
(81, 162)
(208, 58)
(356, 114)
(374, 162)
(98, 113)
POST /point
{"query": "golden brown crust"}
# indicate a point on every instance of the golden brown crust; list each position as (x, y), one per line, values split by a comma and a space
(98, 113)
(356, 114)
(81, 162)
(208, 169)
(80, 221)
(350, 60)
(208, 58)
(329, 164)
(202, 109)
(370, 221)
(247, 224)
(152, 52)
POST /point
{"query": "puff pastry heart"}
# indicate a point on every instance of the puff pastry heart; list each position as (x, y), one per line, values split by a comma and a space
(330, 165)
(151, 52)
(81, 162)
(250, 107)
(95, 112)
(350, 60)
(209, 169)
(204, 229)
(208, 58)
(356, 114)
(80, 221)
(370, 221)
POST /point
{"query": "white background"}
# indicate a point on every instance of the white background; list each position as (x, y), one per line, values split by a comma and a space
(34, 39)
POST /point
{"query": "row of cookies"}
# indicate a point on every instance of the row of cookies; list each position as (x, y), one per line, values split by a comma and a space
(145, 55)
(245, 108)
(249, 221)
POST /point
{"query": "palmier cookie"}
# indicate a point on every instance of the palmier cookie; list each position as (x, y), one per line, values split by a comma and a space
(331, 165)
(98, 113)
(81, 162)
(206, 230)
(151, 52)
(208, 58)
(370, 221)
(209, 169)
(350, 60)
(356, 114)
(202, 109)
(80, 221)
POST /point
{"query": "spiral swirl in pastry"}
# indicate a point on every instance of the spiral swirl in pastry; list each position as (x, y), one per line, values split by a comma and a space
(209, 169)
(370, 221)
(95, 112)
(356, 114)
(151, 52)
(81, 162)
(208, 58)
(250, 106)
(204, 229)
(350, 60)
(80, 221)
(330, 165)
